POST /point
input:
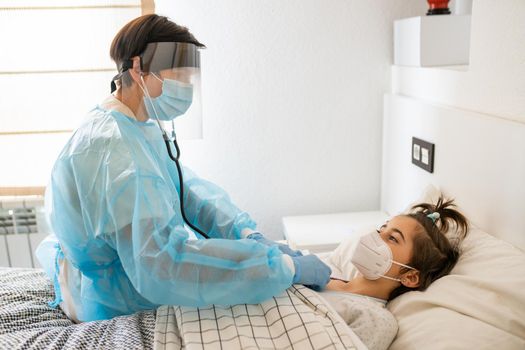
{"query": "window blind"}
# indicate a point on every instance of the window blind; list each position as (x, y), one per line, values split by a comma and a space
(54, 62)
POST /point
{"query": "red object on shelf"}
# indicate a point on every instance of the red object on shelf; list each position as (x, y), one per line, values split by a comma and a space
(438, 7)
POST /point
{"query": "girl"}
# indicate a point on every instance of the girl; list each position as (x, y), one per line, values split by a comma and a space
(407, 253)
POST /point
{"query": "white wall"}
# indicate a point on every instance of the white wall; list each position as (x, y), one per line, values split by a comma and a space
(292, 104)
(494, 81)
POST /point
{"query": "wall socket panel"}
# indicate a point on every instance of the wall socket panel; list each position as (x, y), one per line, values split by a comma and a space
(423, 154)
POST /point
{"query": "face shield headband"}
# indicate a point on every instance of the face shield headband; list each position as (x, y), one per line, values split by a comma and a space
(161, 56)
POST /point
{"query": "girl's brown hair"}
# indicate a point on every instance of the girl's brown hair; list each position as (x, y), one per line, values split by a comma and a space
(434, 255)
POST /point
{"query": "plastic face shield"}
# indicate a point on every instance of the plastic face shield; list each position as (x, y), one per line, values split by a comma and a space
(161, 64)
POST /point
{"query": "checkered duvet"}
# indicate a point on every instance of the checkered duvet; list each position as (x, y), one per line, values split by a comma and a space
(297, 319)
(27, 322)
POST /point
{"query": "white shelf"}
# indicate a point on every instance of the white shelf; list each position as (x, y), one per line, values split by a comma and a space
(430, 41)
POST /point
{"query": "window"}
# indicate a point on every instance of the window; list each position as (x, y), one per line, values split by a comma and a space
(54, 68)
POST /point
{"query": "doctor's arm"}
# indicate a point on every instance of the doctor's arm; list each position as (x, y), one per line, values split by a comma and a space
(167, 268)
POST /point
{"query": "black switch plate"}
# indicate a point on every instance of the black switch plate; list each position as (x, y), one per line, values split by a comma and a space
(423, 154)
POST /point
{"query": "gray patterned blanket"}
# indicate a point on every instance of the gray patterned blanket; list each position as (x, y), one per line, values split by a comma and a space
(27, 322)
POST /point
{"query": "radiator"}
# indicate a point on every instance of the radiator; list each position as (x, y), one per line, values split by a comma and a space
(22, 228)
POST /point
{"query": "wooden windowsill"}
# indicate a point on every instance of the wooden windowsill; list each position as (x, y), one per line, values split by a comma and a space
(22, 191)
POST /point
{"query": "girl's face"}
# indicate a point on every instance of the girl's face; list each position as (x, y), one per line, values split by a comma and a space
(399, 233)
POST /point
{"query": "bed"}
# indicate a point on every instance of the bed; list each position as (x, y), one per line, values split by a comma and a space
(479, 305)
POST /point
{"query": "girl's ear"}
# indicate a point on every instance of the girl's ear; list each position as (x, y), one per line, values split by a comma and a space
(410, 279)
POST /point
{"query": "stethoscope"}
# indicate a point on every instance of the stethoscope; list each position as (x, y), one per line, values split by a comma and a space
(174, 159)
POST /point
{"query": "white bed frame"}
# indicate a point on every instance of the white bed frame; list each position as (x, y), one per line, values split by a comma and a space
(479, 161)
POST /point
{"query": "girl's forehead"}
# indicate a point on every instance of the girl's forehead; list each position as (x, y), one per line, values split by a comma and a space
(406, 224)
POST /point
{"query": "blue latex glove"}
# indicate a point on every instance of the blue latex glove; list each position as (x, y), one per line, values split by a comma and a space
(311, 271)
(285, 249)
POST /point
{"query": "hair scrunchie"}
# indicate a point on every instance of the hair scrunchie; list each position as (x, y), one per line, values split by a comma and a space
(433, 216)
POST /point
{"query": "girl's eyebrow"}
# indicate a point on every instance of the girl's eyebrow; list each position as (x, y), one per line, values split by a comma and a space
(401, 233)
(396, 230)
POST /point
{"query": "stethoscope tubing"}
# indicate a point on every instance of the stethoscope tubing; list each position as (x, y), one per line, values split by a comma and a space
(181, 183)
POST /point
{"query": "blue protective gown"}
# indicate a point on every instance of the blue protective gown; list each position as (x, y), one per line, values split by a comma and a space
(113, 204)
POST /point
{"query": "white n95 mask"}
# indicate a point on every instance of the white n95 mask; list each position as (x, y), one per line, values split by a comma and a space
(373, 257)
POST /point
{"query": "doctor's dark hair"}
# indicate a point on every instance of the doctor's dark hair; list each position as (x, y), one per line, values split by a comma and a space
(434, 254)
(133, 38)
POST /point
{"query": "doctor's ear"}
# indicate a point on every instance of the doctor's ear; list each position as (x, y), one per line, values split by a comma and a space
(135, 71)
(410, 279)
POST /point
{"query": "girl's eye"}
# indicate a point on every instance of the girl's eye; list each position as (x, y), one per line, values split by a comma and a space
(392, 238)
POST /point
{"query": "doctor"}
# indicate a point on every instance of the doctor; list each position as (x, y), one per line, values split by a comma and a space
(113, 201)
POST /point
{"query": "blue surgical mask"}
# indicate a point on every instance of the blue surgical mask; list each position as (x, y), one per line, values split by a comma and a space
(175, 99)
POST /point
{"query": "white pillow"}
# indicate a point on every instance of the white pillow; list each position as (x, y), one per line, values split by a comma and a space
(480, 305)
